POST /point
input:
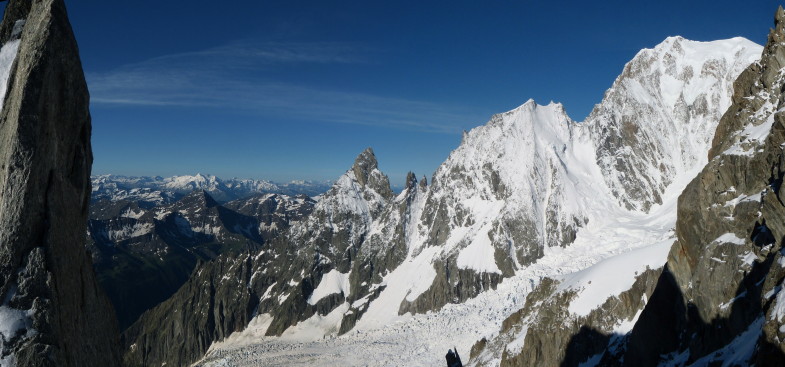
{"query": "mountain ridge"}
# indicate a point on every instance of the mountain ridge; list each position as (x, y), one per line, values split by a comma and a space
(508, 203)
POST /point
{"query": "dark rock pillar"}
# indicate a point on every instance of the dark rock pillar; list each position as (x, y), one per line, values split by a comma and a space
(47, 283)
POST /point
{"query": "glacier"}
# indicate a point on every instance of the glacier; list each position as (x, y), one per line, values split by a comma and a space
(529, 195)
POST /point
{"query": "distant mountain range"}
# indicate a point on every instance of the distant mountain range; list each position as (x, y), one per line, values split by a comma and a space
(151, 191)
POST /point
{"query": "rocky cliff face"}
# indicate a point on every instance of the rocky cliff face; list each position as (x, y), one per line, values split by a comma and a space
(53, 312)
(214, 302)
(545, 332)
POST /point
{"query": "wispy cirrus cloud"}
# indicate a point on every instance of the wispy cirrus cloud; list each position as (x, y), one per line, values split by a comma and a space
(245, 76)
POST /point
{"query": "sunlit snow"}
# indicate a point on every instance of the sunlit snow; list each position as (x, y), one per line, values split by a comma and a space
(544, 160)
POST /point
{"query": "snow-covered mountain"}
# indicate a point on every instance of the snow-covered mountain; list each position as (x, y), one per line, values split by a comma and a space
(718, 299)
(658, 119)
(531, 194)
(152, 191)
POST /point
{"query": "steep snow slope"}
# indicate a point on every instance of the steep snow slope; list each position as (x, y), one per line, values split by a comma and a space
(658, 118)
(528, 195)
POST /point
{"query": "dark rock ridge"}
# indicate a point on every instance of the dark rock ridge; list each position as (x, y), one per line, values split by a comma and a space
(54, 310)
(214, 302)
(142, 256)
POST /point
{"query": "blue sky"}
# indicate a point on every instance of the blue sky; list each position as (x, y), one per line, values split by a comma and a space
(296, 89)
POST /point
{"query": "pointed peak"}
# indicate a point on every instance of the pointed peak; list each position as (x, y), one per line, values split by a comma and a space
(201, 196)
(366, 173)
(531, 106)
(673, 39)
(366, 160)
(424, 182)
(364, 165)
(778, 33)
(411, 180)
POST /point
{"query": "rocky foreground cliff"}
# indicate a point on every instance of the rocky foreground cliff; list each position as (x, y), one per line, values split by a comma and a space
(53, 312)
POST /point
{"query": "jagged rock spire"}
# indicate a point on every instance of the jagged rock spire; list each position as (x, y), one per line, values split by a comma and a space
(46, 277)
(367, 174)
(364, 164)
(411, 180)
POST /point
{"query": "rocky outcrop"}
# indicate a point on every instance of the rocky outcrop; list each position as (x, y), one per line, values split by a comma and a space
(531, 337)
(53, 311)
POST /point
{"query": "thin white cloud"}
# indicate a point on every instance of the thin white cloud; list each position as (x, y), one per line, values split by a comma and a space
(243, 76)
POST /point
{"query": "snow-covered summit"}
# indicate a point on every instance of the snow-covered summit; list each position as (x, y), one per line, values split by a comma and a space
(198, 181)
(505, 184)
(658, 118)
(352, 203)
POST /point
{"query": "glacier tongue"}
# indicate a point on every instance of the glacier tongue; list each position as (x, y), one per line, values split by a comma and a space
(531, 194)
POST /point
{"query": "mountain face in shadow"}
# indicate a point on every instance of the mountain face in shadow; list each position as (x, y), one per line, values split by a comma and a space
(53, 311)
